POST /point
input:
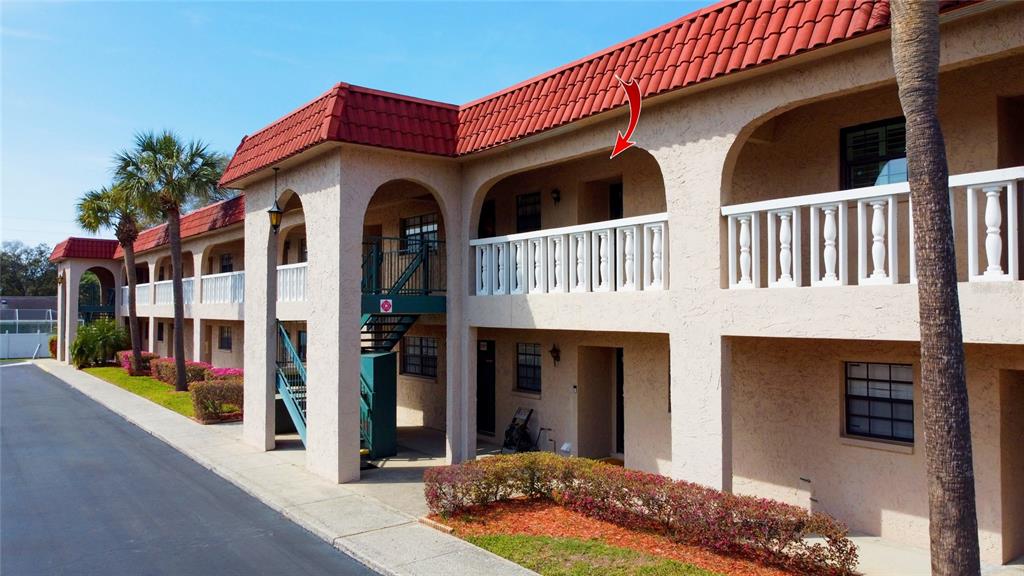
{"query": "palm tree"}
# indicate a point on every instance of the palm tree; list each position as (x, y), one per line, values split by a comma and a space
(947, 426)
(117, 208)
(171, 174)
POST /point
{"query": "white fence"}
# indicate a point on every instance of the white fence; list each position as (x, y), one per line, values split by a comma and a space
(877, 222)
(291, 282)
(225, 288)
(616, 255)
(25, 333)
(143, 294)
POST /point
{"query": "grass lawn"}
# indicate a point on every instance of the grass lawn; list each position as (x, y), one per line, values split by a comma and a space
(575, 557)
(147, 387)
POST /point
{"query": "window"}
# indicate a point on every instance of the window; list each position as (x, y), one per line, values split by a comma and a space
(224, 338)
(874, 154)
(303, 255)
(159, 331)
(227, 263)
(528, 212)
(418, 229)
(880, 401)
(528, 367)
(302, 345)
(419, 356)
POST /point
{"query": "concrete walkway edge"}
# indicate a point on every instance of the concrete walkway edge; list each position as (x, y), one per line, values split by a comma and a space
(382, 538)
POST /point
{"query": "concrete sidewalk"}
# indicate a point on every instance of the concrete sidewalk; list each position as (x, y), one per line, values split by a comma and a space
(369, 530)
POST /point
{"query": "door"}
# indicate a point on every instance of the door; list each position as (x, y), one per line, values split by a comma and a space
(620, 405)
(488, 221)
(615, 201)
(485, 387)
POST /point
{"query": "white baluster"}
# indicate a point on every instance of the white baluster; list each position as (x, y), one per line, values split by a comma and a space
(581, 265)
(556, 245)
(657, 280)
(628, 250)
(499, 278)
(785, 248)
(993, 231)
(745, 279)
(517, 251)
(602, 260)
(830, 254)
(485, 270)
(538, 266)
(878, 239)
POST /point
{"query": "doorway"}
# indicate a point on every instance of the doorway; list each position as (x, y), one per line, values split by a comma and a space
(620, 405)
(485, 387)
(600, 429)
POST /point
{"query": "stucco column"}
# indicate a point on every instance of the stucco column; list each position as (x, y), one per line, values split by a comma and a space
(71, 282)
(197, 338)
(334, 294)
(260, 327)
(197, 275)
(461, 391)
(61, 311)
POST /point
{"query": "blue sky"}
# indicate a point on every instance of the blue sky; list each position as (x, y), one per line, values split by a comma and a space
(79, 79)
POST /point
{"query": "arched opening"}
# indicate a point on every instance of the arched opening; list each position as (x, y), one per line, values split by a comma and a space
(96, 294)
(403, 342)
(292, 328)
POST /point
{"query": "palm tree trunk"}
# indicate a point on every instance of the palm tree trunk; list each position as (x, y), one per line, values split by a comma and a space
(174, 231)
(133, 320)
(947, 426)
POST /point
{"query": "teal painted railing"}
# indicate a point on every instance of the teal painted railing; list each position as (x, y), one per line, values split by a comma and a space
(291, 381)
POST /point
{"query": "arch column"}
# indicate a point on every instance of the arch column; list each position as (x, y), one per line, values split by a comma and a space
(61, 313)
(260, 326)
(72, 280)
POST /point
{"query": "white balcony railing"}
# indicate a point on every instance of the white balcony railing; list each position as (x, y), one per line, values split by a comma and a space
(877, 223)
(616, 255)
(143, 294)
(124, 300)
(165, 291)
(225, 288)
(291, 282)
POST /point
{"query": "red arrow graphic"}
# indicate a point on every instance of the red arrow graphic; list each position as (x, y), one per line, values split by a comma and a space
(622, 141)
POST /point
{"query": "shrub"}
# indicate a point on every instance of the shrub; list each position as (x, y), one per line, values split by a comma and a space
(124, 358)
(217, 373)
(210, 396)
(765, 530)
(165, 370)
(97, 341)
(53, 346)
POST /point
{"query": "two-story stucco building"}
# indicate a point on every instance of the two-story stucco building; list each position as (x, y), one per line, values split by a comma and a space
(730, 302)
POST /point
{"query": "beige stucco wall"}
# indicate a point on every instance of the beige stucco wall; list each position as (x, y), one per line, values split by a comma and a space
(645, 363)
(1011, 402)
(421, 399)
(232, 358)
(788, 441)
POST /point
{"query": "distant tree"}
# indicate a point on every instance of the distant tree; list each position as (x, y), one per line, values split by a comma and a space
(953, 522)
(169, 175)
(27, 270)
(89, 290)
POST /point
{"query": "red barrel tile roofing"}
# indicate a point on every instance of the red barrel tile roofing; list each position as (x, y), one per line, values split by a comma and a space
(201, 221)
(86, 248)
(727, 37)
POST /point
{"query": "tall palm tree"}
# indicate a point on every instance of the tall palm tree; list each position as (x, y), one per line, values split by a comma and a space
(947, 426)
(171, 174)
(117, 208)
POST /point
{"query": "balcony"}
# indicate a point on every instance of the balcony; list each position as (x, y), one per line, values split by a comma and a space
(164, 291)
(629, 254)
(224, 288)
(864, 227)
(291, 282)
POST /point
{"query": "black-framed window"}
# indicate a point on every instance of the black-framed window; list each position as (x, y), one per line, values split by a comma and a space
(419, 356)
(302, 345)
(528, 212)
(880, 401)
(874, 154)
(418, 229)
(227, 263)
(159, 331)
(528, 358)
(224, 338)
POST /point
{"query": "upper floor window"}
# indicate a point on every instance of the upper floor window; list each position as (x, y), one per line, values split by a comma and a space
(528, 358)
(224, 338)
(419, 229)
(874, 154)
(528, 212)
(227, 263)
(419, 356)
(880, 401)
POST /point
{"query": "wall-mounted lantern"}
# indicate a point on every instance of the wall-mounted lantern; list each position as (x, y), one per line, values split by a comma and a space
(275, 211)
(556, 354)
(556, 195)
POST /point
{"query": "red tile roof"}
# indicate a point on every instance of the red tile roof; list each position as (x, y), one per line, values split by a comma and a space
(89, 248)
(730, 36)
(205, 219)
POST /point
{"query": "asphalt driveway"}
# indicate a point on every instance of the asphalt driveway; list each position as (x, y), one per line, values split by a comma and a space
(82, 491)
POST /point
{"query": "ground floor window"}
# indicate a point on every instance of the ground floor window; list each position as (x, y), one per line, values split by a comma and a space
(880, 401)
(224, 338)
(159, 331)
(528, 367)
(419, 356)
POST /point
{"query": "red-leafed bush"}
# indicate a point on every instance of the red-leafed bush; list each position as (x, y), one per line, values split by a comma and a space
(210, 397)
(164, 369)
(765, 530)
(124, 358)
(218, 373)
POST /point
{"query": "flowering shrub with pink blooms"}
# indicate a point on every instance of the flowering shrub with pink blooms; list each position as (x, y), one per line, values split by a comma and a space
(218, 373)
(164, 369)
(124, 358)
(757, 528)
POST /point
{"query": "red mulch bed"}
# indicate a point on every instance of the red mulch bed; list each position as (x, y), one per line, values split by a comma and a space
(545, 518)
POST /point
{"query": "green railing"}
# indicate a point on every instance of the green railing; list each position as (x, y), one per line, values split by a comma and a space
(402, 266)
(291, 381)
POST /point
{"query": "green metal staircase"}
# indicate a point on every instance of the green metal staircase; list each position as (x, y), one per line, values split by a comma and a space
(402, 280)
